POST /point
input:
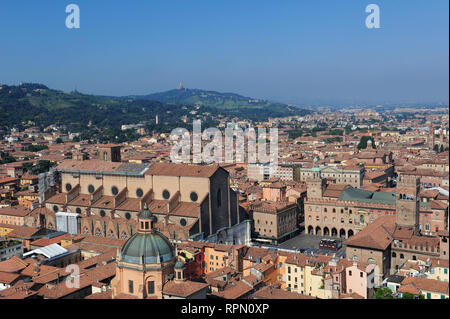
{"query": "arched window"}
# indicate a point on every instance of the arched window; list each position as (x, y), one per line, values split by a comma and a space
(98, 232)
(394, 254)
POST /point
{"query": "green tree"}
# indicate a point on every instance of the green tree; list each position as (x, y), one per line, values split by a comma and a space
(384, 293)
(408, 295)
(363, 142)
(441, 149)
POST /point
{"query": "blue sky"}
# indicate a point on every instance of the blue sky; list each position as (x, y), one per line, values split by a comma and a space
(310, 51)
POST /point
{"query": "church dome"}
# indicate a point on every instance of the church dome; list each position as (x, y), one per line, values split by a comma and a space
(147, 248)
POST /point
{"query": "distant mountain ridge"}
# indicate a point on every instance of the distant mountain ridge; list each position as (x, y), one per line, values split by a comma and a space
(198, 97)
(31, 102)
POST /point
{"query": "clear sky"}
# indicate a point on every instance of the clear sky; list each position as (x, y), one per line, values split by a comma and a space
(305, 51)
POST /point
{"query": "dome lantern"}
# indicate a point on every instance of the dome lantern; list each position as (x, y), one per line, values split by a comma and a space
(146, 220)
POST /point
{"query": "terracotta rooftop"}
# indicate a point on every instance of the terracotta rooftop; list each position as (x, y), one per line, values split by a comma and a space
(172, 169)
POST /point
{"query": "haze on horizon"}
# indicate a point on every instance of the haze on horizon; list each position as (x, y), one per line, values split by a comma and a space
(301, 52)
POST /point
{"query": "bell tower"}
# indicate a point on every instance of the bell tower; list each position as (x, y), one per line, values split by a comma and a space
(109, 152)
(407, 202)
(315, 185)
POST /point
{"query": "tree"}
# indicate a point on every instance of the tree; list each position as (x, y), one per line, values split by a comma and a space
(408, 295)
(441, 149)
(363, 142)
(59, 140)
(436, 148)
(384, 293)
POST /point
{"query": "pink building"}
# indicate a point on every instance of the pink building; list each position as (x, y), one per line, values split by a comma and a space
(361, 278)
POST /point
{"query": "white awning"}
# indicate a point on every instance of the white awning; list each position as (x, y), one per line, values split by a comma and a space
(48, 251)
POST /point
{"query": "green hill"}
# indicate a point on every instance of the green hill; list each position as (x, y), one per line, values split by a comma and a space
(41, 106)
(227, 101)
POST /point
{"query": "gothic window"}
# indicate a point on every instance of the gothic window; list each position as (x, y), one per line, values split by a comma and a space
(86, 230)
(98, 232)
(124, 236)
(111, 234)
